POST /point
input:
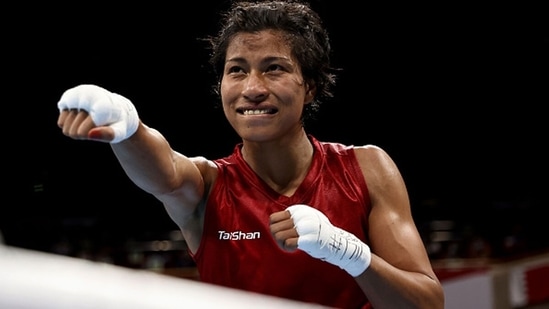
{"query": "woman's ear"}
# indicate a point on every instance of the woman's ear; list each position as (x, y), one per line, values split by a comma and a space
(310, 93)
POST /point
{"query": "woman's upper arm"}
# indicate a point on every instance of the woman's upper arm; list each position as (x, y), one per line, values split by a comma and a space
(188, 189)
(392, 230)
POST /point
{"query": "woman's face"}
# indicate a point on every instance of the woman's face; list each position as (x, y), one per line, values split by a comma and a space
(262, 89)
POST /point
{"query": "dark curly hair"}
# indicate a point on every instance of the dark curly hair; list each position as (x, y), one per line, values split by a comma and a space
(303, 30)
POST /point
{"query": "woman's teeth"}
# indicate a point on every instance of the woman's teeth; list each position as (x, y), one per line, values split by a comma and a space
(256, 112)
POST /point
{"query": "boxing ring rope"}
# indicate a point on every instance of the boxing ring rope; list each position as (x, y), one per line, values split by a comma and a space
(31, 280)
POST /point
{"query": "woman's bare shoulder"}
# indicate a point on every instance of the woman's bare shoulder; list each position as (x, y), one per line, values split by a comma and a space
(206, 166)
(371, 154)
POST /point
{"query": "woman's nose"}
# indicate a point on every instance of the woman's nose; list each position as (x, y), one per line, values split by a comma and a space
(255, 87)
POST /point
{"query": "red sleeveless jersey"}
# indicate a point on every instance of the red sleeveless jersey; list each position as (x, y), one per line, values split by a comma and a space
(238, 251)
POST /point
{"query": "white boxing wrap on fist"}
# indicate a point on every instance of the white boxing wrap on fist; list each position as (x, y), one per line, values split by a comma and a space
(320, 239)
(104, 107)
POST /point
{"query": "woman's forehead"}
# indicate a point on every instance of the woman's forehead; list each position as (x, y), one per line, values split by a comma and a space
(264, 40)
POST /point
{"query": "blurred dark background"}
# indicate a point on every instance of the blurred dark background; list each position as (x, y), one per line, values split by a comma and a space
(455, 94)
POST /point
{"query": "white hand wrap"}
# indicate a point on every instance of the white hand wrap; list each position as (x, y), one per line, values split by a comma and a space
(320, 239)
(105, 108)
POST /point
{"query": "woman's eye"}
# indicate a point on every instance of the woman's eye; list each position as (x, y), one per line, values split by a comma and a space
(234, 70)
(274, 67)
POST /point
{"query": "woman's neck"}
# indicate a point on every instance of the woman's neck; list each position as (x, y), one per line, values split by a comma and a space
(282, 164)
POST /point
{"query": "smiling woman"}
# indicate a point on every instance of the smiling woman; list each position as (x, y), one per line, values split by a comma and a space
(463, 83)
(283, 199)
(259, 67)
